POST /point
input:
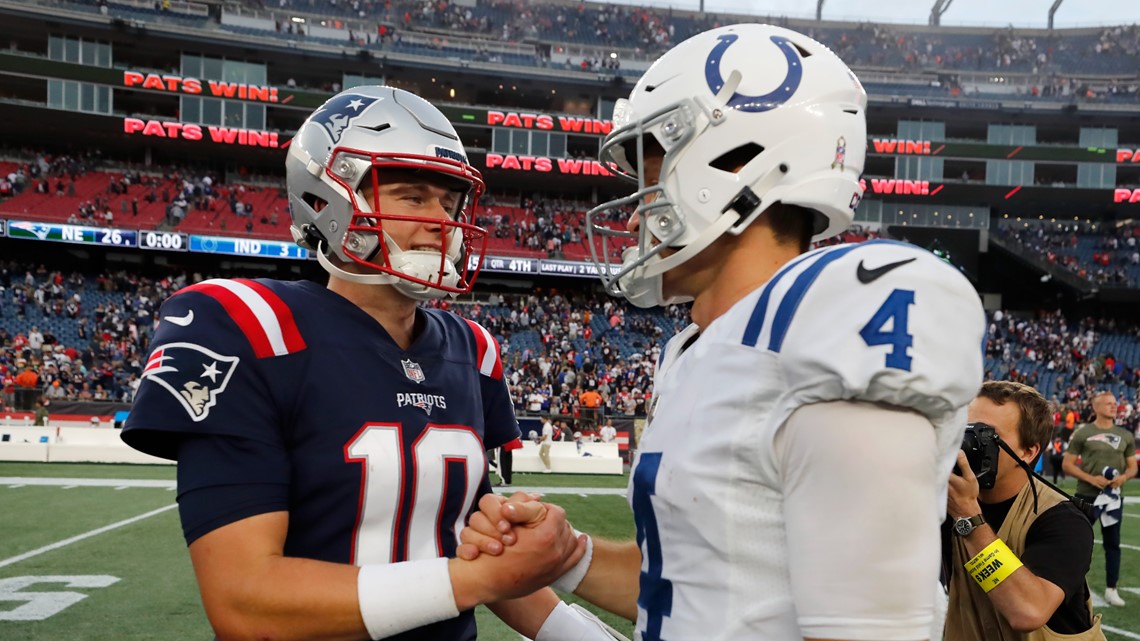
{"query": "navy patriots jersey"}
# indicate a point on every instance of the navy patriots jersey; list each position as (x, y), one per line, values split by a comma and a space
(382, 450)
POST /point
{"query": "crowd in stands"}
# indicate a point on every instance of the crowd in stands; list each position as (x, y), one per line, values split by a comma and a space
(86, 338)
(89, 190)
(1105, 255)
(71, 337)
(647, 31)
(1067, 360)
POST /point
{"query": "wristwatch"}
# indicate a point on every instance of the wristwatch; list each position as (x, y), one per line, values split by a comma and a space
(963, 526)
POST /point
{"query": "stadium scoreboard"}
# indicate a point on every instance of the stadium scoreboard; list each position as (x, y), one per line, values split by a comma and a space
(150, 239)
(247, 247)
(76, 234)
(164, 240)
(156, 240)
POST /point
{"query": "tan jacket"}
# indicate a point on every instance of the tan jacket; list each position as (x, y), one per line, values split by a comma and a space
(971, 615)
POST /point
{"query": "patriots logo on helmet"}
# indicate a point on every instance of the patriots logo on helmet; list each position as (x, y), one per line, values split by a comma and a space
(194, 375)
(339, 112)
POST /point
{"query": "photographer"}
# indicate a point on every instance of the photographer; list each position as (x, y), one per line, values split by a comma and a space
(1015, 552)
(1108, 459)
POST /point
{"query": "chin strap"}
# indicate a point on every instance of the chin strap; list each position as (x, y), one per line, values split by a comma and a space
(363, 279)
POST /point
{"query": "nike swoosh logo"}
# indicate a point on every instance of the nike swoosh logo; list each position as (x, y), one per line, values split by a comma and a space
(183, 320)
(867, 276)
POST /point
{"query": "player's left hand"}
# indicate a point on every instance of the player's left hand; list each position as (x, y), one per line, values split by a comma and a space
(962, 497)
(1118, 482)
(492, 527)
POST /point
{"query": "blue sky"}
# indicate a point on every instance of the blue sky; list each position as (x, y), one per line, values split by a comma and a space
(1023, 13)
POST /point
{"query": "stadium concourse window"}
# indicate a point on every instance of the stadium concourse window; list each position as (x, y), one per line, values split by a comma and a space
(217, 111)
(79, 96)
(528, 143)
(1097, 175)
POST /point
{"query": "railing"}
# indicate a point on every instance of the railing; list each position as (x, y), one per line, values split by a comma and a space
(176, 6)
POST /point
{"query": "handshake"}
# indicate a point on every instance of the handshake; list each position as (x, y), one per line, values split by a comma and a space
(513, 547)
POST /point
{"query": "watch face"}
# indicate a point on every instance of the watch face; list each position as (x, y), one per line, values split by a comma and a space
(963, 526)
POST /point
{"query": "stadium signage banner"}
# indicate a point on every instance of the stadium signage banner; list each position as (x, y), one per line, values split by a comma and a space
(1130, 196)
(254, 247)
(546, 122)
(195, 87)
(570, 268)
(566, 166)
(550, 267)
(77, 234)
(102, 236)
(900, 187)
(209, 133)
(247, 247)
(1127, 155)
(901, 147)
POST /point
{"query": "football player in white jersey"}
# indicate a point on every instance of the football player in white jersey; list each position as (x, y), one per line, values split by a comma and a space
(791, 480)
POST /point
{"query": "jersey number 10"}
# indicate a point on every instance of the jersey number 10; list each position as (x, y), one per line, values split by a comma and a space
(383, 520)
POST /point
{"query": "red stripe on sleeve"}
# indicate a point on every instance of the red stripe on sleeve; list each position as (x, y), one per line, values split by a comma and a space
(480, 343)
(497, 371)
(289, 331)
(240, 313)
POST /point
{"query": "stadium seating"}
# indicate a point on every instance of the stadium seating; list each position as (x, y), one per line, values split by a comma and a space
(1105, 257)
(640, 31)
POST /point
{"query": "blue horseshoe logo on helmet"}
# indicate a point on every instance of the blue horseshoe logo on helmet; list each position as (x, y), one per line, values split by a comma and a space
(755, 104)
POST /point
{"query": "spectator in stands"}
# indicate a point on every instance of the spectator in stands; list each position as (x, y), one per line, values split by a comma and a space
(27, 385)
(7, 388)
(591, 403)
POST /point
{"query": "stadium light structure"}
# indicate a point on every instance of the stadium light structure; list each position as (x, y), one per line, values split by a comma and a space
(819, 10)
(939, 8)
(1053, 12)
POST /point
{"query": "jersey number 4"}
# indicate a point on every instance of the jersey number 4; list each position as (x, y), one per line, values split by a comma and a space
(895, 311)
(444, 462)
(656, 595)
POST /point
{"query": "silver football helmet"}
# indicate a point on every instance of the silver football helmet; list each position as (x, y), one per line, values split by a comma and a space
(747, 115)
(344, 147)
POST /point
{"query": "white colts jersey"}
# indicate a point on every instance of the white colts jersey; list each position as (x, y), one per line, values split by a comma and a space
(880, 321)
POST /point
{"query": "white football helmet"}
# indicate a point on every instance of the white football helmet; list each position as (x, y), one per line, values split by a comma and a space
(773, 100)
(346, 145)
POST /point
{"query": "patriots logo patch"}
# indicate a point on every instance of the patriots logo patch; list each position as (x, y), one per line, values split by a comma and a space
(338, 113)
(1113, 440)
(194, 375)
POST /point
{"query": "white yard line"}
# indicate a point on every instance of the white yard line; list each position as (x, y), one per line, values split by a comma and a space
(65, 482)
(1123, 545)
(85, 535)
(1123, 633)
(15, 481)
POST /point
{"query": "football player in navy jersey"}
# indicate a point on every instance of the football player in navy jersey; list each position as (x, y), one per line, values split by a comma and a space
(331, 440)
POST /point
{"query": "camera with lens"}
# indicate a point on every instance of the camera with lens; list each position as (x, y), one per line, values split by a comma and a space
(980, 443)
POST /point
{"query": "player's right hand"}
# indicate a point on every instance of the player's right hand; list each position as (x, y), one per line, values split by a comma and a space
(491, 528)
(1100, 482)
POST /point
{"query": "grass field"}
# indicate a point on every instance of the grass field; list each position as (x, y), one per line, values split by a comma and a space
(83, 562)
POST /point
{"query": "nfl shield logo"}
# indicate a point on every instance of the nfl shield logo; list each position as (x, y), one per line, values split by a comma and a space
(413, 371)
